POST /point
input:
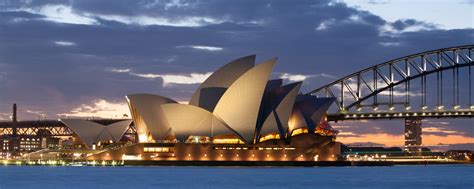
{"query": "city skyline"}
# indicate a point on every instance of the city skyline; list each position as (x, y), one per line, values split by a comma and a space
(82, 58)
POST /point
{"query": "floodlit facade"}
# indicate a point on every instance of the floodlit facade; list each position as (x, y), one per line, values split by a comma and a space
(237, 114)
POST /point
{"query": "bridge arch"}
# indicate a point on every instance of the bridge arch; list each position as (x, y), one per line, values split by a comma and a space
(353, 91)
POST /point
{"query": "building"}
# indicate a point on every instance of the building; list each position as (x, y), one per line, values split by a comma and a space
(94, 135)
(16, 144)
(237, 114)
(20, 138)
(413, 136)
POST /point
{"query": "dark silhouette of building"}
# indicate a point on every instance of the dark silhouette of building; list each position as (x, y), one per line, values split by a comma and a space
(413, 136)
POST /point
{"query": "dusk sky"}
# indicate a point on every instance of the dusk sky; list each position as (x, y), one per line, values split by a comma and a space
(80, 58)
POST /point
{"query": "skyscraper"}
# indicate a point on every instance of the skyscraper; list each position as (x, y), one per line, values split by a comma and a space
(413, 136)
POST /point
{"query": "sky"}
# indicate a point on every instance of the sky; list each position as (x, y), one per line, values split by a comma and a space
(80, 58)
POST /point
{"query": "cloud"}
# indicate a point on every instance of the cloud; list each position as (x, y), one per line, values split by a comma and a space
(34, 112)
(5, 116)
(67, 15)
(117, 70)
(407, 25)
(176, 4)
(346, 134)
(399, 93)
(438, 131)
(378, 2)
(300, 77)
(64, 43)
(381, 138)
(398, 27)
(170, 79)
(202, 47)
(430, 139)
(60, 14)
(99, 108)
(398, 140)
(294, 77)
(438, 122)
(144, 20)
(325, 24)
(389, 44)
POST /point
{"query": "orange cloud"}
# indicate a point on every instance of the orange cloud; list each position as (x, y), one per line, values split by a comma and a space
(381, 138)
(449, 139)
(398, 140)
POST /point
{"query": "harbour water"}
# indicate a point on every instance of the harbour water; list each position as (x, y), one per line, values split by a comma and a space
(136, 177)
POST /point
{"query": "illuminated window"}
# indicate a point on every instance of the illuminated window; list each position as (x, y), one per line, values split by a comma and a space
(270, 137)
(299, 131)
(228, 141)
(198, 139)
(156, 149)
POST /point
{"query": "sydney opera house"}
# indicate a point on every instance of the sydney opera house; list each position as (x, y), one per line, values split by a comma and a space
(237, 114)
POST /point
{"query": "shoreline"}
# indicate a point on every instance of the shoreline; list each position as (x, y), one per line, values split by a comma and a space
(229, 163)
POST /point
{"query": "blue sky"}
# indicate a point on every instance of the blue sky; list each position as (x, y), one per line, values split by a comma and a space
(81, 58)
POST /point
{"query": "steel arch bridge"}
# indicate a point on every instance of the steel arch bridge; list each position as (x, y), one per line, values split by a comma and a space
(417, 85)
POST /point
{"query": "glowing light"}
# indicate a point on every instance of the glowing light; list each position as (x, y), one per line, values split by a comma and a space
(457, 107)
(143, 138)
(408, 108)
(391, 108)
(316, 157)
(131, 157)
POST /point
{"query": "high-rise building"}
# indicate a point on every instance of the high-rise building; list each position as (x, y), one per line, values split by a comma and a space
(413, 136)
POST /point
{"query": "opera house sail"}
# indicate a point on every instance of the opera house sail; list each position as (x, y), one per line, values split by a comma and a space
(236, 114)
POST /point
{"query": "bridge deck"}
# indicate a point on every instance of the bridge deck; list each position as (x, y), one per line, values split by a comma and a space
(401, 115)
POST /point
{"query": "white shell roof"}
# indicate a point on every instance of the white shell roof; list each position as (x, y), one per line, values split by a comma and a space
(222, 78)
(240, 104)
(186, 120)
(90, 132)
(148, 116)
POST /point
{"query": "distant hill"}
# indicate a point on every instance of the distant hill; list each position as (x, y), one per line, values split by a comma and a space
(371, 144)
